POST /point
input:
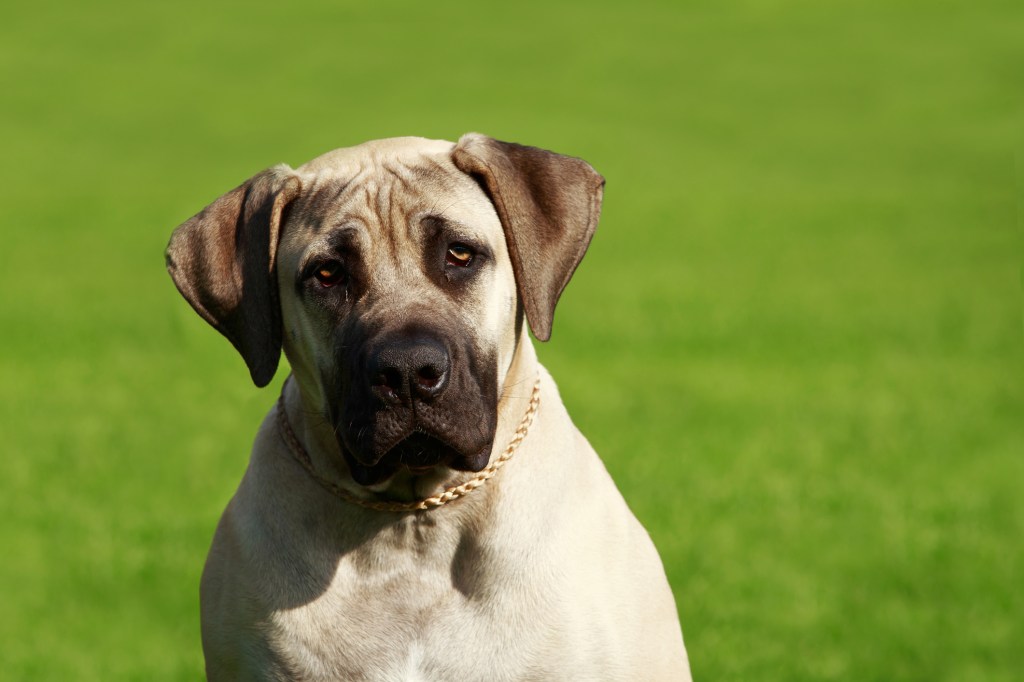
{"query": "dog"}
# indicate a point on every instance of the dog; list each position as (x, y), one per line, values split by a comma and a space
(418, 505)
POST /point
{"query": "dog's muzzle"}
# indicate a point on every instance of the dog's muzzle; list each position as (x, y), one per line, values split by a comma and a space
(414, 403)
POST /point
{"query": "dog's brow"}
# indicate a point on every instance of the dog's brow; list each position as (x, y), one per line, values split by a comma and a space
(441, 223)
(339, 239)
(343, 238)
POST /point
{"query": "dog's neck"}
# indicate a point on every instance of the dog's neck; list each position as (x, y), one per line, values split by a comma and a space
(317, 437)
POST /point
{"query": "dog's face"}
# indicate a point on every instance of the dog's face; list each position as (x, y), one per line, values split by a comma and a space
(399, 306)
(395, 276)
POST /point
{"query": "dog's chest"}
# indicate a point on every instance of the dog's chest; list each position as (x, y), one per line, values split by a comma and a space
(419, 603)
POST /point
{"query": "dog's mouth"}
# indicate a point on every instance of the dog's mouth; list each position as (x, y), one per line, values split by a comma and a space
(409, 431)
(419, 453)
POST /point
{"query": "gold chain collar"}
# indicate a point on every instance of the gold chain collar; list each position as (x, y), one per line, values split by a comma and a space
(449, 494)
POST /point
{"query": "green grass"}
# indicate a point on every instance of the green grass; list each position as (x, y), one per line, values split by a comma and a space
(796, 341)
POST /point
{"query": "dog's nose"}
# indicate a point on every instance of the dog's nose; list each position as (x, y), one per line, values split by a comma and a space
(407, 368)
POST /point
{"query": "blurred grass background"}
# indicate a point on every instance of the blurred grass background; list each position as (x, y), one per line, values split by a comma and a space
(796, 340)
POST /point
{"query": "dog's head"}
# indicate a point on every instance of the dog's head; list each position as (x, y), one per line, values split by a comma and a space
(395, 276)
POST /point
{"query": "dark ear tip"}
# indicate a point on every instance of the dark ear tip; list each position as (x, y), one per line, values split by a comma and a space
(541, 332)
(261, 376)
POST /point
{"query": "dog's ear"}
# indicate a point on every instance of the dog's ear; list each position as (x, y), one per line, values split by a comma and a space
(223, 263)
(548, 204)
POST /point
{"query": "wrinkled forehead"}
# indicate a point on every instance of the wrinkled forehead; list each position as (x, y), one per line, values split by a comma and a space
(387, 185)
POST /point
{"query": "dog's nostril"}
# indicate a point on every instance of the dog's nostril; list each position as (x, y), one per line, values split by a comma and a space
(410, 369)
(389, 380)
(428, 377)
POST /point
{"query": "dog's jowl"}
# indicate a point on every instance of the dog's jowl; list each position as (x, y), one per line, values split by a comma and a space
(418, 504)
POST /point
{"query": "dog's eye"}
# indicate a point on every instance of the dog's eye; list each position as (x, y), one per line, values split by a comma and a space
(459, 255)
(330, 273)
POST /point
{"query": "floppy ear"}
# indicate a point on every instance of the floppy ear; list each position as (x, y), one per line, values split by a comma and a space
(548, 204)
(223, 263)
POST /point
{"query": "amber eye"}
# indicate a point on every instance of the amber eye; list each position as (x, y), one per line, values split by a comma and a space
(459, 255)
(330, 273)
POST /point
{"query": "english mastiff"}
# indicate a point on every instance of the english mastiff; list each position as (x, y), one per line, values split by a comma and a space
(418, 505)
